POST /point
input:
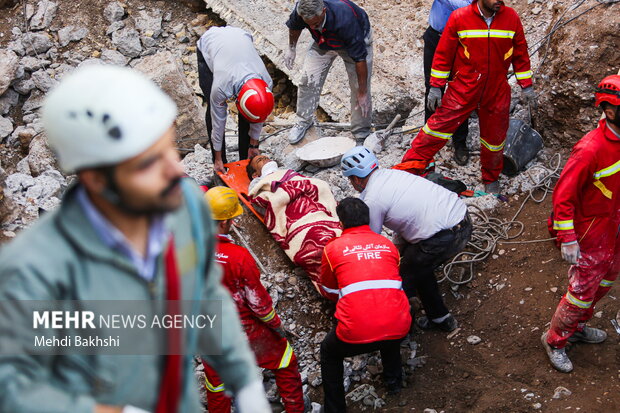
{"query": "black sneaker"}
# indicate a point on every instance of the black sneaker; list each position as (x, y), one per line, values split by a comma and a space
(447, 325)
(394, 388)
(461, 155)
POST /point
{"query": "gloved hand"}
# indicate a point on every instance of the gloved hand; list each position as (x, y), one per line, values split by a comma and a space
(281, 332)
(570, 252)
(289, 57)
(531, 97)
(252, 399)
(434, 98)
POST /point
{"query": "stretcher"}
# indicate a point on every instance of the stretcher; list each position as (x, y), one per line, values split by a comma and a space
(237, 179)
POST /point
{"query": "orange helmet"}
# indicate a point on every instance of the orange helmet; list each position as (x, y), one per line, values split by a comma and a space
(255, 100)
(608, 91)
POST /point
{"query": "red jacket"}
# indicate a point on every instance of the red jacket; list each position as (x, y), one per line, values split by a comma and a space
(242, 279)
(589, 186)
(361, 267)
(478, 57)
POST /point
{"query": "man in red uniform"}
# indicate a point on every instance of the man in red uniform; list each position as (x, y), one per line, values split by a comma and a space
(260, 321)
(360, 270)
(477, 47)
(586, 218)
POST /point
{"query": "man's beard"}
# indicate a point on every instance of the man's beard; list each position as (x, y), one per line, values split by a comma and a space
(121, 200)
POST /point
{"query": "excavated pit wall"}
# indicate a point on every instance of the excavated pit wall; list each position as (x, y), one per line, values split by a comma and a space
(397, 83)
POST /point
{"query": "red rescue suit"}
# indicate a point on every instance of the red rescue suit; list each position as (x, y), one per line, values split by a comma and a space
(259, 319)
(476, 58)
(360, 270)
(586, 208)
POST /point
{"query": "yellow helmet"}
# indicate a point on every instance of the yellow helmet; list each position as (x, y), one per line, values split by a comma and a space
(223, 202)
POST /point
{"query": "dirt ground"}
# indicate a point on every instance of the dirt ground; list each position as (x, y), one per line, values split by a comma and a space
(508, 305)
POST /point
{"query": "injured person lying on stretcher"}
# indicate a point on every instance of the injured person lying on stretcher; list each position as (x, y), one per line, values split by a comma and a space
(299, 212)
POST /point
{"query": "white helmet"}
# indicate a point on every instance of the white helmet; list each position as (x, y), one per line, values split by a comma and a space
(103, 115)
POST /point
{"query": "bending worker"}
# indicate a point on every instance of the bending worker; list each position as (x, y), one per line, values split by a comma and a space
(229, 67)
(260, 321)
(477, 47)
(430, 223)
(440, 12)
(359, 270)
(586, 218)
(132, 230)
(339, 28)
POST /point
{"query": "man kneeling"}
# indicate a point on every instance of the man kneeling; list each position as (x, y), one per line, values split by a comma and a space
(360, 271)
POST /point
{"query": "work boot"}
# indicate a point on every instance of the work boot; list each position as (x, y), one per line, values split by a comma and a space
(447, 325)
(461, 154)
(393, 388)
(588, 335)
(298, 132)
(492, 188)
(557, 356)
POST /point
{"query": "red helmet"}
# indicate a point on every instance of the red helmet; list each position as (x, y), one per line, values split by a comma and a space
(608, 90)
(255, 101)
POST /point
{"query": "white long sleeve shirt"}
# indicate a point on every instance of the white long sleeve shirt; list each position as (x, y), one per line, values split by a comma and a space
(231, 56)
(411, 206)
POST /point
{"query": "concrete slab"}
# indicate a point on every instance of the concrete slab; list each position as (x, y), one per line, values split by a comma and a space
(398, 81)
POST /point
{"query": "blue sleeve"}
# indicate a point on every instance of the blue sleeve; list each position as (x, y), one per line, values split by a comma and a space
(454, 4)
(295, 22)
(354, 39)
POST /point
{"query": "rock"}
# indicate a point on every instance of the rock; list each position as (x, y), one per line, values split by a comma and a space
(8, 67)
(198, 165)
(537, 406)
(148, 42)
(23, 86)
(473, 340)
(8, 100)
(149, 22)
(316, 408)
(598, 314)
(114, 12)
(6, 127)
(40, 156)
(43, 81)
(45, 186)
(536, 10)
(561, 392)
(31, 63)
(553, 289)
(36, 43)
(113, 57)
(165, 69)
(71, 34)
(8, 210)
(23, 167)
(114, 27)
(46, 10)
(127, 41)
(17, 183)
(430, 411)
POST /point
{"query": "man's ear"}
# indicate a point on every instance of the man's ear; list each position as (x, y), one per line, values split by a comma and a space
(610, 112)
(93, 180)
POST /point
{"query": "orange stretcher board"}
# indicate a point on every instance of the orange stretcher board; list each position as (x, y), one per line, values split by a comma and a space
(237, 179)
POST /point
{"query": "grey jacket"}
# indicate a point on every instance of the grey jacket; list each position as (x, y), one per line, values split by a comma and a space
(231, 56)
(61, 257)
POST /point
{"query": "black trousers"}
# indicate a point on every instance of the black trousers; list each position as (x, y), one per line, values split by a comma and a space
(431, 40)
(205, 80)
(333, 352)
(419, 262)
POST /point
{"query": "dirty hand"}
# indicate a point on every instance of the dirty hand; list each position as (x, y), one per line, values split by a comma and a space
(531, 97)
(363, 103)
(570, 252)
(434, 98)
(289, 57)
(218, 165)
(252, 399)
